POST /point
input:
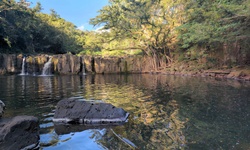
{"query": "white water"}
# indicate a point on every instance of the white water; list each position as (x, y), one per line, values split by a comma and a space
(34, 66)
(47, 68)
(23, 67)
(83, 70)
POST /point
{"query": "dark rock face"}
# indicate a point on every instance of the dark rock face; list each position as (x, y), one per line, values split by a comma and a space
(21, 132)
(2, 107)
(8, 63)
(76, 111)
(89, 62)
(72, 64)
(137, 64)
(109, 65)
(35, 64)
(67, 64)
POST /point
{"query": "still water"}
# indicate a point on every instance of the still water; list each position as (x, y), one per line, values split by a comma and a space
(166, 112)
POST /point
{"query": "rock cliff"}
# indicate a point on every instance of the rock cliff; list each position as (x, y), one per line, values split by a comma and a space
(72, 64)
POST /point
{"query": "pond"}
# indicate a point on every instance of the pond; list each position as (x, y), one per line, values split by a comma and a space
(166, 112)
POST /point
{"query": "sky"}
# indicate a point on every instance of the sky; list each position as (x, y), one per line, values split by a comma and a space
(76, 11)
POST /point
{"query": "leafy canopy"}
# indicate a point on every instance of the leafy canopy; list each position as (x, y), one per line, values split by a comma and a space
(27, 30)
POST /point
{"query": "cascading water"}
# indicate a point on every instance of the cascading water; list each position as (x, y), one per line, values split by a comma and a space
(83, 70)
(23, 67)
(34, 66)
(47, 67)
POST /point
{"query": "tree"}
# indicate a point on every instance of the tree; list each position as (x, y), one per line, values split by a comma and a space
(37, 8)
(212, 22)
(27, 30)
(220, 26)
(151, 23)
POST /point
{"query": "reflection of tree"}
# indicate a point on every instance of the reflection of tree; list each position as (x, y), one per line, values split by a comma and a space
(165, 132)
(154, 122)
(215, 111)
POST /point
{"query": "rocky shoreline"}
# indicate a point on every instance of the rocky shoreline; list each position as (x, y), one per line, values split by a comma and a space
(72, 64)
(22, 132)
(221, 74)
(237, 73)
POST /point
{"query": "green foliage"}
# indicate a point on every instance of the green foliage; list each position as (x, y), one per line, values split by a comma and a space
(101, 43)
(27, 30)
(60, 33)
(158, 28)
(148, 23)
(93, 41)
(212, 22)
(164, 26)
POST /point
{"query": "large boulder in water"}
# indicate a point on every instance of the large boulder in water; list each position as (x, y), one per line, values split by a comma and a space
(2, 107)
(21, 132)
(85, 112)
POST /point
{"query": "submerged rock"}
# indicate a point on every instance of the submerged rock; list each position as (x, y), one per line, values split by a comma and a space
(84, 112)
(62, 129)
(2, 107)
(21, 132)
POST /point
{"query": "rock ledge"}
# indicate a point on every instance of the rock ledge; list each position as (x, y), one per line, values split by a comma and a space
(21, 132)
(85, 112)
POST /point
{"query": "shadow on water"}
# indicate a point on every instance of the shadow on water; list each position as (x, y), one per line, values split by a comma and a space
(167, 112)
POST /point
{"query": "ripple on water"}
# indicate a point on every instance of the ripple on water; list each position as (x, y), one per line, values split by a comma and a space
(79, 140)
(166, 111)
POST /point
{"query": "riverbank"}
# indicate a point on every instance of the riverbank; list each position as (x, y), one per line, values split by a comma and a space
(196, 69)
(72, 64)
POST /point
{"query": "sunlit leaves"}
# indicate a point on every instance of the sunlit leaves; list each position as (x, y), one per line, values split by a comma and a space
(150, 23)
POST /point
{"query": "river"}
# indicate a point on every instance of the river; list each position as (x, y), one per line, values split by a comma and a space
(166, 112)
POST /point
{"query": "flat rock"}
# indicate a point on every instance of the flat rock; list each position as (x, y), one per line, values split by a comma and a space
(85, 112)
(20, 132)
(2, 107)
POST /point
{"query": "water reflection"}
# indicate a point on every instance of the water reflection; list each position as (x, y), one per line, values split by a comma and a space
(167, 112)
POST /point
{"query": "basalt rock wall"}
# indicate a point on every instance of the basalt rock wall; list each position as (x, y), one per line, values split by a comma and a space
(138, 64)
(72, 64)
(8, 63)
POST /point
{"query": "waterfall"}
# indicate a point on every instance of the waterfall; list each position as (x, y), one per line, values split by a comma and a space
(47, 67)
(83, 69)
(23, 67)
(34, 66)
